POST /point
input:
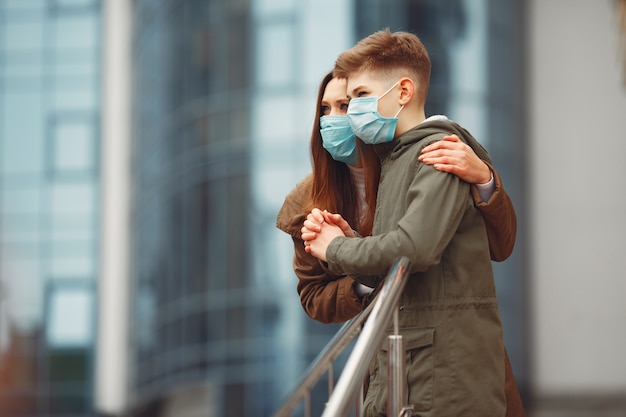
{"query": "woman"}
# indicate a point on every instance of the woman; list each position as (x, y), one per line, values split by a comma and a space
(341, 185)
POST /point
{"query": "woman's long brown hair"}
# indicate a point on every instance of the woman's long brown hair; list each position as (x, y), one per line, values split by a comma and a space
(333, 188)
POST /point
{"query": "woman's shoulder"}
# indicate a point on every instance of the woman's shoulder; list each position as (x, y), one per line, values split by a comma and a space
(292, 213)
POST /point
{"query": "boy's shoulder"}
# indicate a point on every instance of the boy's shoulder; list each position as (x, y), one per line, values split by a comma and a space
(415, 139)
(434, 129)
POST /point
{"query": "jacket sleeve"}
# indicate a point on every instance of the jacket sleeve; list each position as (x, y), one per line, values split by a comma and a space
(325, 297)
(500, 219)
(435, 204)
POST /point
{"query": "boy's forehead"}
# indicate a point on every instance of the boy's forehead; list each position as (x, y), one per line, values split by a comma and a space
(363, 79)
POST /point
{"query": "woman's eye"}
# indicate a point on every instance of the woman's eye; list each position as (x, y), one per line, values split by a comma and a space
(344, 106)
(324, 110)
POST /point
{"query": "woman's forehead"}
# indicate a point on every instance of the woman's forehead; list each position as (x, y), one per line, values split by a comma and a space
(336, 88)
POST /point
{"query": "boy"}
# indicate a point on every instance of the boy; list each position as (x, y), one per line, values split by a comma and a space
(448, 311)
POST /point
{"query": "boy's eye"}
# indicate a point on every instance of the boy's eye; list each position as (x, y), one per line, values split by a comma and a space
(361, 94)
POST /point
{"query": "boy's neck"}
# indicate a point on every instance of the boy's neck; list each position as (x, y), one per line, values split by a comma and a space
(409, 120)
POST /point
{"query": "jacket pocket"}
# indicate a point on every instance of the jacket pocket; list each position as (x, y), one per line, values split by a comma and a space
(419, 368)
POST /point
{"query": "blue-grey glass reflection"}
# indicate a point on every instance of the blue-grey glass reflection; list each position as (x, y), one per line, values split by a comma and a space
(49, 81)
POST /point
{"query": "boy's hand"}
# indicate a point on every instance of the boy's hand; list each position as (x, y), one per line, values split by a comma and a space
(339, 221)
(319, 228)
(317, 247)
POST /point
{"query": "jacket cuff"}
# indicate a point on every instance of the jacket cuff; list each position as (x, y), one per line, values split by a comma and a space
(478, 200)
(332, 255)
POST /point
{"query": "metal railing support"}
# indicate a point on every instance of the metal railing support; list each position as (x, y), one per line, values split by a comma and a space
(396, 389)
(349, 387)
(322, 362)
(351, 378)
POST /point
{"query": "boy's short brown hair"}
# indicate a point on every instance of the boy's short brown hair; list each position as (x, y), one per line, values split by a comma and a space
(386, 54)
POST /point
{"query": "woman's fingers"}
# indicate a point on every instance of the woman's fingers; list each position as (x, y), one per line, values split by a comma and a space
(312, 225)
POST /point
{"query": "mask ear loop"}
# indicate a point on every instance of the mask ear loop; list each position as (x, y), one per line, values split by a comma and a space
(386, 92)
(390, 88)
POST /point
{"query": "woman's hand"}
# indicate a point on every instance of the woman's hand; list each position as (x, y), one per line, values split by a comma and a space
(456, 157)
(312, 225)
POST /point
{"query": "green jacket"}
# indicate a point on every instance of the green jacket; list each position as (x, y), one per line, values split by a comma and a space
(448, 311)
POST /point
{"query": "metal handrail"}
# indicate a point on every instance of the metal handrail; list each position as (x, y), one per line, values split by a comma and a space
(323, 362)
(369, 341)
(378, 314)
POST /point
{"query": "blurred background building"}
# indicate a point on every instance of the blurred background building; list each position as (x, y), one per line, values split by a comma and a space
(146, 147)
(49, 205)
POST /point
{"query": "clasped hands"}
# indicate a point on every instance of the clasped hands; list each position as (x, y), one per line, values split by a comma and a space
(320, 228)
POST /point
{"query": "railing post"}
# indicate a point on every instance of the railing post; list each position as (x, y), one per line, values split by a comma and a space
(331, 379)
(397, 379)
(361, 400)
(350, 384)
(372, 336)
(307, 404)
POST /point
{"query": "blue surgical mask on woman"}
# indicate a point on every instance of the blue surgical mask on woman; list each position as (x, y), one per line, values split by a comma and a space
(367, 123)
(338, 139)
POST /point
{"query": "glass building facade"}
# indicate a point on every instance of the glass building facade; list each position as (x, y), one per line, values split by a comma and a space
(49, 173)
(195, 323)
(223, 105)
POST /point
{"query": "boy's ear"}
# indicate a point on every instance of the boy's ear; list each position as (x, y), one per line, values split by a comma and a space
(407, 90)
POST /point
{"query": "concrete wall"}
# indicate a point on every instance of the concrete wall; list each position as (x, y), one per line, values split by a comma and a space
(577, 137)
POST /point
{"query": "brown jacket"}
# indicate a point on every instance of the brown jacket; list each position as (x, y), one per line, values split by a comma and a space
(331, 298)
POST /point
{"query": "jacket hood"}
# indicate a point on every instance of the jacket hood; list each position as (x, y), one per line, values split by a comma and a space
(435, 125)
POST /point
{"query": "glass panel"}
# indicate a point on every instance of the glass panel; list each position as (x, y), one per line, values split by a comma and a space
(20, 200)
(23, 290)
(17, 5)
(72, 249)
(62, 403)
(67, 100)
(21, 231)
(67, 365)
(75, 267)
(274, 55)
(468, 74)
(72, 199)
(72, 227)
(72, 211)
(269, 7)
(76, 31)
(22, 133)
(23, 35)
(20, 65)
(74, 62)
(69, 317)
(73, 146)
(146, 311)
(74, 3)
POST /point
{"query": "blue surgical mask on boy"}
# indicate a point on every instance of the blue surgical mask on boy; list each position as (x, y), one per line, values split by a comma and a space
(367, 123)
(338, 139)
